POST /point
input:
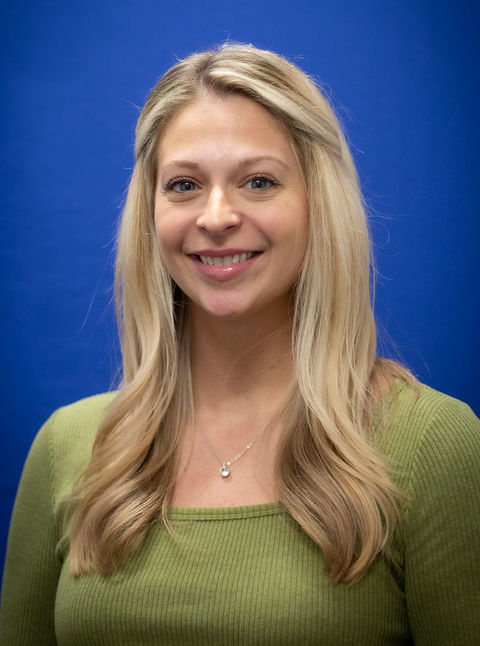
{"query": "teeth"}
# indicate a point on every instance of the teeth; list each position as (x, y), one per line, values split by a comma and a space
(220, 261)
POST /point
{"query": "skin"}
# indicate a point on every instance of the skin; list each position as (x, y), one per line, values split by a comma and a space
(228, 179)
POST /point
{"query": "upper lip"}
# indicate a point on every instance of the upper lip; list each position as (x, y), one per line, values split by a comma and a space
(215, 253)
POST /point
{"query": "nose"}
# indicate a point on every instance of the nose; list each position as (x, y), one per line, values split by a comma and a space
(218, 214)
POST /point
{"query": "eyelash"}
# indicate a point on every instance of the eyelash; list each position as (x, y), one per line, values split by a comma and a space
(266, 176)
(169, 186)
(176, 180)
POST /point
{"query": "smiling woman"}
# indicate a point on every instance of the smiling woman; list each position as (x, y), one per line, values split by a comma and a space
(261, 476)
(243, 199)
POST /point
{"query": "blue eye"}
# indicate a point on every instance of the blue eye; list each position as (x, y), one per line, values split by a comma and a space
(182, 186)
(259, 183)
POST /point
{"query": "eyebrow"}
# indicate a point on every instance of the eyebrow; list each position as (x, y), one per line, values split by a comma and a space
(244, 162)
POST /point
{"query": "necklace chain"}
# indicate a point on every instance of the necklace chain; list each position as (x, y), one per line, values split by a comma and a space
(226, 464)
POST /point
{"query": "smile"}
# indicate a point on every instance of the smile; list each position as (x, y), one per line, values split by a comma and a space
(226, 267)
(226, 260)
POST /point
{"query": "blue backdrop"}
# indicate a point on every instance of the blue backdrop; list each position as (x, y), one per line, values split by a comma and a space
(403, 77)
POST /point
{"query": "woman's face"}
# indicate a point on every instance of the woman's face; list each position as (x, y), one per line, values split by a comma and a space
(230, 207)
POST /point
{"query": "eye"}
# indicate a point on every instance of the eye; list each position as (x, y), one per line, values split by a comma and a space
(260, 182)
(180, 185)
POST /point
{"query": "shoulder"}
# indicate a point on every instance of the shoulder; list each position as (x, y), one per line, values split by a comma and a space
(434, 455)
(65, 440)
(79, 419)
(431, 433)
(415, 413)
(74, 427)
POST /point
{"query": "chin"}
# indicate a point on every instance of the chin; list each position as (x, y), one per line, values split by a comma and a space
(229, 309)
(229, 313)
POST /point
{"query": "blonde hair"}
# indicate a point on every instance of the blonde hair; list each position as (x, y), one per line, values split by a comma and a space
(329, 476)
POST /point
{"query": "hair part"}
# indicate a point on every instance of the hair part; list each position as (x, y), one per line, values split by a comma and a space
(329, 475)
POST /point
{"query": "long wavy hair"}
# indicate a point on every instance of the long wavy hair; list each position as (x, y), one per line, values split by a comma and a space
(329, 475)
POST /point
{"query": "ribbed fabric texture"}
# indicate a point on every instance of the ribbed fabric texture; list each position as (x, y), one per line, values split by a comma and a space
(249, 575)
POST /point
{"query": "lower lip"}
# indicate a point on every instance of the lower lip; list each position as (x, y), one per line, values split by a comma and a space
(222, 273)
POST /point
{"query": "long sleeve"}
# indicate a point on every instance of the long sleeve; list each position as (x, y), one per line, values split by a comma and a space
(31, 568)
(442, 545)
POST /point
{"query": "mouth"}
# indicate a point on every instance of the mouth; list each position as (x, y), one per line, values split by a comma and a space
(221, 261)
(215, 266)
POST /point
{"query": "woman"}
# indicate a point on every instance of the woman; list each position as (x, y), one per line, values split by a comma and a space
(261, 476)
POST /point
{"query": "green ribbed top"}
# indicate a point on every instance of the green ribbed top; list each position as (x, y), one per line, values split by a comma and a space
(249, 575)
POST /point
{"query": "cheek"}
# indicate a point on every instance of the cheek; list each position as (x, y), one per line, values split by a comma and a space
(298, 226)
(169, 232)
(298, 241)
(304, 224)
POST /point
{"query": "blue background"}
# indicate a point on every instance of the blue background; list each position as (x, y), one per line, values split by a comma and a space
(403, 78)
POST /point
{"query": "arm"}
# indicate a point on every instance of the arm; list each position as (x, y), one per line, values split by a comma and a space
(442, 531)
(31, 568)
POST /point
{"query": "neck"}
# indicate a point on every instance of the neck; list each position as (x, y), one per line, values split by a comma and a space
(241, 362)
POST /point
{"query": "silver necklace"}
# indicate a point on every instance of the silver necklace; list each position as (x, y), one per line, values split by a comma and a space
(226, 464)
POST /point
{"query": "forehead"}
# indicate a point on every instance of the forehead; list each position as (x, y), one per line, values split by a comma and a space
(223, 126)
